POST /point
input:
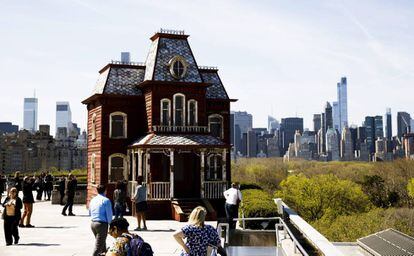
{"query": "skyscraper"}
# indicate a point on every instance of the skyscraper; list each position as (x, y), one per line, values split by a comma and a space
(288, 129)
(244, 123)
(63, 116)
(403, 124)
(388, 127)
(336, 116)
(272, 124)
(316, 122)
(342, 103)
(379, 127)
(346, 145)
(328, 116)
(332, 144)
(374, 129)
(30, 114)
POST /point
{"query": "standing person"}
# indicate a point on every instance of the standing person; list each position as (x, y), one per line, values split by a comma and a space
(233, 198)
(48, 182)
(100, 210)
(119, 199)
(141, 205)
(17, 181)
(70, 194)
(62, 183)
(198, 235)
(28, 201)
(11, 216)
(39, 187)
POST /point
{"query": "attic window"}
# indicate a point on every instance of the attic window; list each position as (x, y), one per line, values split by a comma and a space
(178, 67)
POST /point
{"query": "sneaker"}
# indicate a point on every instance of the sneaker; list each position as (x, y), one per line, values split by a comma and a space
(137, 229)
(21, 226)
(64, 214)
(71, 214)
(145, 229)
(29, 226)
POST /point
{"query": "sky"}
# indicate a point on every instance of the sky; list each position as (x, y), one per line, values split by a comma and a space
(277, 57)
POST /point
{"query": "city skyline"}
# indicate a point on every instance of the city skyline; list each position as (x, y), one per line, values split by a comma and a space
(366, 42)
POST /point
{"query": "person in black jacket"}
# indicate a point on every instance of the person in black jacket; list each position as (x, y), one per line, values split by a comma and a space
(70, 194)
(62, 185)
(17, 181)
(11, 215)
(48, 185)
(28, 200)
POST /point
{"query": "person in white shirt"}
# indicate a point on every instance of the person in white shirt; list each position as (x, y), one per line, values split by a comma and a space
(233, 198)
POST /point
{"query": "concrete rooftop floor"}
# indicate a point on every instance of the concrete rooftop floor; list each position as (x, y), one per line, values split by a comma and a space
(55, 234)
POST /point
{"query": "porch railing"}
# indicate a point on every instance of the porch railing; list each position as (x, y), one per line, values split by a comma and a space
(166, 128)
(214, 189)
(159, 191)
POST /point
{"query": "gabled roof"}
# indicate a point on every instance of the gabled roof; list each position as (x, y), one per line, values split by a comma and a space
(171, 140)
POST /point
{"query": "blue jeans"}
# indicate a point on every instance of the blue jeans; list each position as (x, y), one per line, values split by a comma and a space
(119, 210)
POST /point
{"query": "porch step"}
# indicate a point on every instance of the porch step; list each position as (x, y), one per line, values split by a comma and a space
(181, 209)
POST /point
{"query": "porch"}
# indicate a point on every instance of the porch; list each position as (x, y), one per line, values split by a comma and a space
(179, 166)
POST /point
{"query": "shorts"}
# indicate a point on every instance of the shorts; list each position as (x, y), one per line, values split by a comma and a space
(141, 206)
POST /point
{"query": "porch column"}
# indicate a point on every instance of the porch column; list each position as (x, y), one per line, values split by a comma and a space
(140, 163)
(202, 155)
(128, 166)
(171, 173)
(134, 166)
(224, 160)
(148, 167)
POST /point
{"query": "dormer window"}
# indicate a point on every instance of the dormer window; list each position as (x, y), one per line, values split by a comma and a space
(178, 67)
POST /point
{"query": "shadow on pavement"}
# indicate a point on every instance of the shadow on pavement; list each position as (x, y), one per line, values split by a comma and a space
(60, 227)
(155, 230)
(37, 244)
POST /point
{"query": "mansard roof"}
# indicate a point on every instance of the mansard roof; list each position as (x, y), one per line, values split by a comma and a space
(123, 78)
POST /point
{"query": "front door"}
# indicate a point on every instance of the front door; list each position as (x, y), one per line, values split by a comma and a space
(186, 175)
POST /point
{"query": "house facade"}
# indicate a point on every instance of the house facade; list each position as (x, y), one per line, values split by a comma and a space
(167, 120)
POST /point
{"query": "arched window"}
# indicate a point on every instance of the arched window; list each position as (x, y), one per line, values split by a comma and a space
(117, 167)
(93, 132)
(215, 125)
(165, 112)
(179, 109)
(214, 168)
(118, 125)
(93, 171)
(192, 113)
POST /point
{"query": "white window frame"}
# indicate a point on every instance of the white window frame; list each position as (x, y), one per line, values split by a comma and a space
(222, 128)
(216, 170)
(183, 113)
(196, 112)
(162, 110)
(93, 128)
(125, 162)
(93, 168)
(125, 116)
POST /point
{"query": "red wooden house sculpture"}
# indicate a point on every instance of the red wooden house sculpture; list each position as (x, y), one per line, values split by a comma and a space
(167, 119)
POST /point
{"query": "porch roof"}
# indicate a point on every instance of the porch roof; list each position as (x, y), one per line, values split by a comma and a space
(179, 140)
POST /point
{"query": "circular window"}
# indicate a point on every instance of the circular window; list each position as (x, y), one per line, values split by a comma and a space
(178, 67)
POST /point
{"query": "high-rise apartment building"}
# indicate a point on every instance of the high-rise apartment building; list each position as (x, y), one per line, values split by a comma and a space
(403, 124)
(244, 123)
(328, 116)
(336, 116)
(332, 144)
(30, 114)
(272, 124)
(346, 145)
(63, 116)
(388, 126)
(342, 103)
(374, 129)
(288, 128)
(316, 122)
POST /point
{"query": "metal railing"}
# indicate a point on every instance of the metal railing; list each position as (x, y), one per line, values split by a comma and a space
(171, 31)
(280, 226)
(214, 189)
(172, 128)
(159, 191)
(207, 67)
(132, 63)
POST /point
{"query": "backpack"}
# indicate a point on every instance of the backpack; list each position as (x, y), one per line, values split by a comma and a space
(137, 246)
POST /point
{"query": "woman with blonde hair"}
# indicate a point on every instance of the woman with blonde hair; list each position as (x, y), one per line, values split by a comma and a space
(11, 216)
(198, 234)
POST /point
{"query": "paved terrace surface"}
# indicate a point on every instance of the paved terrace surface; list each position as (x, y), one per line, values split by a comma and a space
(55, 234)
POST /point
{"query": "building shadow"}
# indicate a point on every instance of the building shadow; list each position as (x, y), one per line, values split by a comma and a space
(57, 227)
(38, 244)
(155, 230)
